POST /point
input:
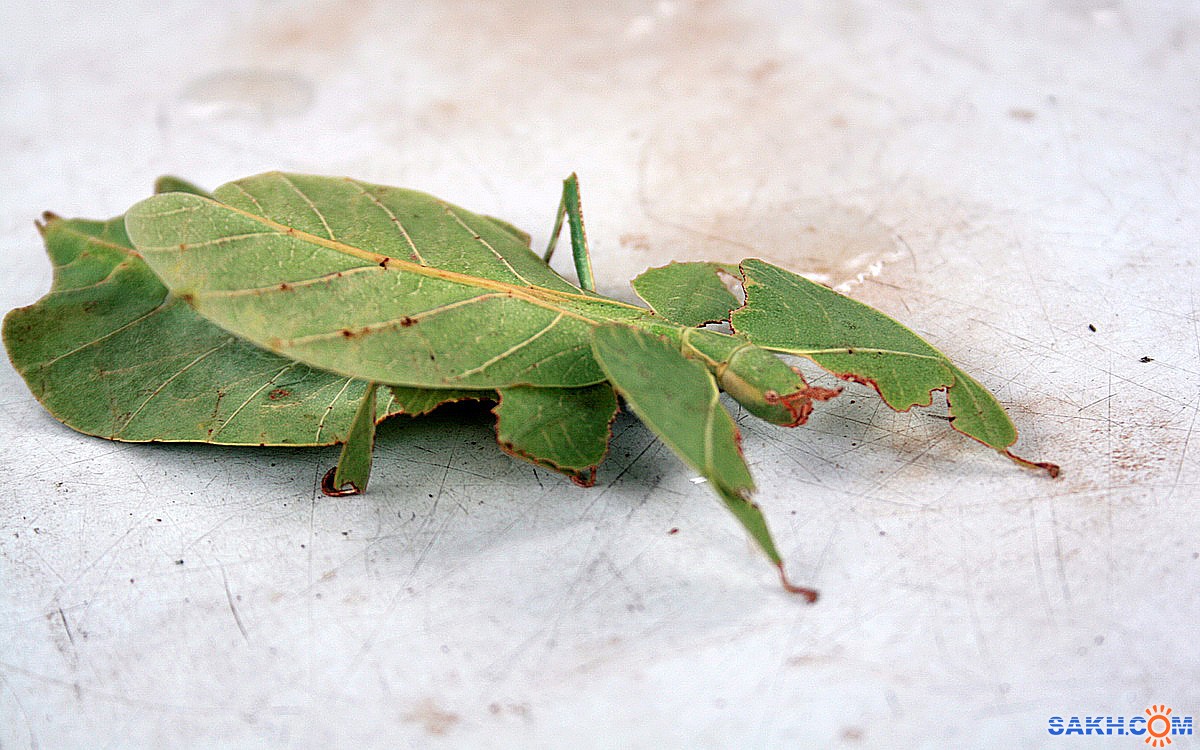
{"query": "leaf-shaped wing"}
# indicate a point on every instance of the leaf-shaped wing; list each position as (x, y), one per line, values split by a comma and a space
(788, 313)
(396, 222)
(678, 399)
(110, 353)
(689, 294)
(564, 429)
(378, 283)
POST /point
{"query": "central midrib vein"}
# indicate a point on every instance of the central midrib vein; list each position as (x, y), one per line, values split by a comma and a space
(540, 296)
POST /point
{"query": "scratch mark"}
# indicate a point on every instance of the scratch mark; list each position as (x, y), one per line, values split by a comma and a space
(613, 482)
(232, 607)
(1108, 499)
(644, 202)
(114, 698)
(312, 512)
(969, 590)
(62, 616)
(1037, 563)
(33, 743)
(403, 591)
(1187, 440)
(1062, 569)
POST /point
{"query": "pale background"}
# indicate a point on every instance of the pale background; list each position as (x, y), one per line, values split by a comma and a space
(997, 177)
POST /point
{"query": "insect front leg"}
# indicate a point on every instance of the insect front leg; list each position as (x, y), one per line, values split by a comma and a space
(572, 208)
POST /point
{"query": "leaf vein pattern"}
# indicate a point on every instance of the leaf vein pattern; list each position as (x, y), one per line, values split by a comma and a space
(404, 321)
(108, 279)
(287, 180)
(274, 288)
(511, 350)
(485, 243)
(855, 350)
(395, 219)
(154, 394)
(249, 195)
(172, 212)
(268, 384)
(92, 240)
(329, 409)
(210, 243)
(560, 353)
(108, 335)
(533, 294)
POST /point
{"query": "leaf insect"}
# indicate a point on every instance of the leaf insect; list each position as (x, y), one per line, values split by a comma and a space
(287, 309)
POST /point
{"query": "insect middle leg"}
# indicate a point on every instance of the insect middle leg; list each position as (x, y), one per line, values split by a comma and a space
(571, 207)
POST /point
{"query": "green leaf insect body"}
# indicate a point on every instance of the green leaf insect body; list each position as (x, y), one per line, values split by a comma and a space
(287, 309)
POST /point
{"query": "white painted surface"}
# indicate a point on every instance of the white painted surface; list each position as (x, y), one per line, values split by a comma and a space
(1019, 172)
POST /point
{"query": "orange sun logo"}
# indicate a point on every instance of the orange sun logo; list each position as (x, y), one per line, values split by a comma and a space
(1158, 726)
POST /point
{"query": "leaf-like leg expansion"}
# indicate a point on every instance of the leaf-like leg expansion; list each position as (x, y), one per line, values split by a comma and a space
(172, 184)
(754, 377)
(571, 207)
(353, 468)
(415, 402)
(677, 398)
(689, 294)
(564, 429)
(788, 313)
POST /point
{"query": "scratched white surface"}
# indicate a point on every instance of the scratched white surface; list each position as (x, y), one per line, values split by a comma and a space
(1013, 175)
